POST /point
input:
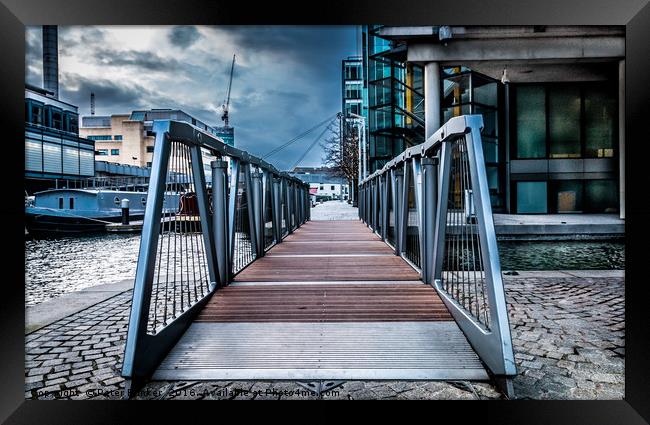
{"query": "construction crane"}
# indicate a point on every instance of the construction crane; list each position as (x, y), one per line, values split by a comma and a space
(226, 102)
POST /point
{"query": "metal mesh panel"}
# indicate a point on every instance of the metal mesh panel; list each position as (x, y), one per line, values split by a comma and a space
(379, 211)
(283, 208)
(412, 251)
(269, 238)
(390, 229)
(181, 275)
(243, 251)
(463, 276)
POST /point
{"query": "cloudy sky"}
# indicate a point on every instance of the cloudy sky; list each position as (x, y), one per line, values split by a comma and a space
(286, 80)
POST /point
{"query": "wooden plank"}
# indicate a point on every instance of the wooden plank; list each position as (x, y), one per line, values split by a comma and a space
(325, 303)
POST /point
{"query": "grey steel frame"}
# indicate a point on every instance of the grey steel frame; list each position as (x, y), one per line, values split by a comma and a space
(143, 351)
(430, 162)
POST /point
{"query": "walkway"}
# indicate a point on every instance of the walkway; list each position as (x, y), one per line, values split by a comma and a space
(332, 301)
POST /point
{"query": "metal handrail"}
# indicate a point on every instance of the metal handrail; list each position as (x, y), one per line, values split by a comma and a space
(448, 233)
(190, 250)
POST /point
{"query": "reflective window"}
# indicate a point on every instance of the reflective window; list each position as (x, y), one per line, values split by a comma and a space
(485, 91)
(37, 114)
(531, 197)
(57, 120)
(600, 123)
(568, 195)
(564, 122)
(531, 122)
(601, 196)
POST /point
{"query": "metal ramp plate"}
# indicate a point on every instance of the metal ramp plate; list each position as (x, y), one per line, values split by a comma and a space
(313, 351)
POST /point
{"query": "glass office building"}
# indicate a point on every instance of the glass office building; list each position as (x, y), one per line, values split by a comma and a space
(551, 138)
(395, 101)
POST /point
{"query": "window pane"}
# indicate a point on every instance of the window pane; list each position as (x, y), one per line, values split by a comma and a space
(531, 122)
(601, 196)
(456, 90)
(600, 124)
(564, 122)
(485, 91)
(569, 196)
(531, 197)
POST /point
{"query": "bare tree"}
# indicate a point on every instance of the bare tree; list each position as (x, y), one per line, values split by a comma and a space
(341, 154)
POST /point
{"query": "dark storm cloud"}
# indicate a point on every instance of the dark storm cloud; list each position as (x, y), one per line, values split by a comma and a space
(184, 36)
(149, 61)
(111, 97)
(288, 78)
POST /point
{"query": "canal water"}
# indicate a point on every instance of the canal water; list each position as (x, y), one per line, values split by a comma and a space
(55, 266)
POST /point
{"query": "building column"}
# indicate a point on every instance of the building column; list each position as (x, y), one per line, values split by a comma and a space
(621, 137)
(431, 98)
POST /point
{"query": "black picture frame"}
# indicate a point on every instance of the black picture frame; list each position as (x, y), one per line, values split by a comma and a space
(634, 14)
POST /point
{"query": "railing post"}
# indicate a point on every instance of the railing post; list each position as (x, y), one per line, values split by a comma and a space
(142, 288)
(277, 208)
(220, 219)
(285, 206)
(204, 209)
(427, 220)
(444, 168)
(232, 211)
(384, 205)
(368, 203)
(307, 204)
(404, 213)
(253, 188)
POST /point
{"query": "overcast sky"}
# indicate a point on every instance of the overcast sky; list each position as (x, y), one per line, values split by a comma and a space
(286, 80)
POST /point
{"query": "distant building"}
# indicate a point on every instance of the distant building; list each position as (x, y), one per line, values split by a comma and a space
(352, 86)
(323, 184)
(128, 138)
(53, 148)
(227, 134)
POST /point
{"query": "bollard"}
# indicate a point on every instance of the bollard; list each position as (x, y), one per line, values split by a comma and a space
(125, 211)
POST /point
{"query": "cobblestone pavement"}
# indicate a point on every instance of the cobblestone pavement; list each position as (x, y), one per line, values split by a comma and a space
(568, 335)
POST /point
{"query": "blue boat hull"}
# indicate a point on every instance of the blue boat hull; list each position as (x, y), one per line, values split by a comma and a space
(42, 224)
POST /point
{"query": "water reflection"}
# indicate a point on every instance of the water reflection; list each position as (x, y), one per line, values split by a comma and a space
(55, 266)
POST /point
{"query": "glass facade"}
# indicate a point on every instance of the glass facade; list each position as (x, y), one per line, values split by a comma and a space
(563, 121)
(395, 99)
(531, 197)
(566, 196)
(466, 92)
(53, 148)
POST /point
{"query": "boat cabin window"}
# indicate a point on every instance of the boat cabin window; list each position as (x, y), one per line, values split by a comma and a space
(117, 201)
(144, 201)
(71, 203)
(60, 203)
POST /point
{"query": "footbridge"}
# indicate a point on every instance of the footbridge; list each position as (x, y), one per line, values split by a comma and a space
(238, 283)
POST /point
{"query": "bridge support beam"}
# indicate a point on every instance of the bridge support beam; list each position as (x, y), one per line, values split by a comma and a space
(220, 219)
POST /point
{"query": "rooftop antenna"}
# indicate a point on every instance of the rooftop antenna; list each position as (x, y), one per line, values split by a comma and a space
(92, 103)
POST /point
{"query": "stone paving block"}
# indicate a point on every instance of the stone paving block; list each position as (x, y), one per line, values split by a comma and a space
(568, 337)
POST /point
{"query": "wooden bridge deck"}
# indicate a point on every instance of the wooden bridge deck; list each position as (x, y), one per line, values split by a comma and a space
(331, 301)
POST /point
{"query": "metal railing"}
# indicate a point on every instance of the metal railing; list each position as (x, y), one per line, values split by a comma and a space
(218, 227)
(432, 205)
